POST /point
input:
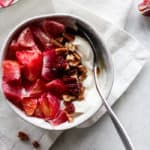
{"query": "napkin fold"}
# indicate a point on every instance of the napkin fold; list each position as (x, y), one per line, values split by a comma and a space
(128, 57)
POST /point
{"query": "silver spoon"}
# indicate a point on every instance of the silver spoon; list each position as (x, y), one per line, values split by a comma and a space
(118, 125)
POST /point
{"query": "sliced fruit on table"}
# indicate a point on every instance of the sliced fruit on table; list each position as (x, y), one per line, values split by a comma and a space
(5, 3)
(144, 7)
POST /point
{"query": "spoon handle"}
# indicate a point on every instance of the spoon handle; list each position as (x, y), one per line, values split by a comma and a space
(120, 129)
(118, 125)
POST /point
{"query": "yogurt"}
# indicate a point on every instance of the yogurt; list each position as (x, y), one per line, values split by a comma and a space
(91, 95)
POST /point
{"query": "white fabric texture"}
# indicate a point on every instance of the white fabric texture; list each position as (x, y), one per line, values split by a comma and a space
(128, 57)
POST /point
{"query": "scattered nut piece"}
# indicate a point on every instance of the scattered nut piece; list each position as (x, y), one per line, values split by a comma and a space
(71, 46)
(68, 37)
(81, 95)
(76, 55)
(70, 57)
(83, 72)
(82, 69)
(67, 67)
(23, 136)
(74, 63)
(70, 117)
(82, 89)
(76, 114)
(62, 50)
(59, 39)
(75, 75)
(35, 144)
(68, 98)
(82, 77)
(56, 43)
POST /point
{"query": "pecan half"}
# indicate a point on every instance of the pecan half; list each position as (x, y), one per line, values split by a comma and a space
(23, 136)
(76, 55)
(60, 51)
(68, 98)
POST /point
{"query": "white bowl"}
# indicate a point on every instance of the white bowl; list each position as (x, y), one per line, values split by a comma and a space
(105, 78)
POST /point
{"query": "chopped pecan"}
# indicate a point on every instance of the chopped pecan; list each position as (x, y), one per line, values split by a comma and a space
(82, 72)
(81, 95)
(75, 75)
(74, 63)
(70, 57)
(68, 98)
(82, 77)
(82, 69)
(68, 37)
(71, 46)
(76, 55)
(56, 43)
(23, 136)
(59, 39)
(70, 117)
(35, 144)
(76, 114)
(67, 67)
(60, 51)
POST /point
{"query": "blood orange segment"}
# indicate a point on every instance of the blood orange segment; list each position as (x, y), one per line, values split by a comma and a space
(61, 118)
(32, 63)
(56, 87)
(48, 72)
(70, 108)
(49, 105)
(52, 27)
(25, 38)
(11, 71)
(144, 7)
(41, 37)
(29, 105)
(5, 3)
(37, 88)
(12, 92)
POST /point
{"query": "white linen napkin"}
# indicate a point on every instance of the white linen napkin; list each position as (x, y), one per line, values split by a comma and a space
(128, 58)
